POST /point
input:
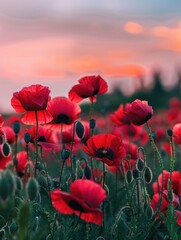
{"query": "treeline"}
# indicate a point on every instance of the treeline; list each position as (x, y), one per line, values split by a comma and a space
(157, 96)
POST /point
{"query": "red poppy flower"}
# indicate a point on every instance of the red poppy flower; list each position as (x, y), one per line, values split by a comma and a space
(22, 160)
(5, 154)
(119, 117)
(63, 112)
(176, 182)
(45, 138)
(105, 147)
(30, 100)
(165, 201)
(139, 112)
(9, 134)
(83, 200)
(127, 164)
(88, 87)
(22, 164)
(177, 133)
(131, 149)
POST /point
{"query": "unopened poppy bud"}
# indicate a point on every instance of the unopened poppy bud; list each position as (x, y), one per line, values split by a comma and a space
(16, 127)
(32, 189)
(4, 189)
(6, 149)
(79, 129)
(42, 181)
(27, 138)
(92, 123)
(140, 165)
(136, 174)
(169, 132)
(126, 214)
(9, 178)
(149, 212)
(87, 172)
(65, 153)
(147, 175)
(18, 182)
(129, 176)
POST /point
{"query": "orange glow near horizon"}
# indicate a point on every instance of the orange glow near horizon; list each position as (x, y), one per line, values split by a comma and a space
(133, 28)
(128, 70)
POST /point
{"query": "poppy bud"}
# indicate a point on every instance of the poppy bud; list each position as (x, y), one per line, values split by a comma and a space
(18, 182)
(6, 188)
(42, 181)
(9, 177)
(140, 165)
(6, 149)
(16, 127)
(147, 175)
(149, 211)
(32, 189)
(27, 138)
(87, 172)
(135, 174)
(129, 176)
(79, 129)
(92, 123)
(65, 153)
(169, 132)
(126, 214)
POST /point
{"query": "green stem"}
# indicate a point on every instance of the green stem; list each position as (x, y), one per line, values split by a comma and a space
(155, 147)
(61, 171)
(160, 160)
(15, 149)
(36, 142)
(45, 168)
(103, 184)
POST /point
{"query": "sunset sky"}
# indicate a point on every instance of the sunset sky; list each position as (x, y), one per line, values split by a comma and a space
(55, 43)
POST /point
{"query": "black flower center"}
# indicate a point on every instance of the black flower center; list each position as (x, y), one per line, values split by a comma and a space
(104, 153)
(62, 118)
(76, 206)
(41, 139)
(95, 92)
(149, 115)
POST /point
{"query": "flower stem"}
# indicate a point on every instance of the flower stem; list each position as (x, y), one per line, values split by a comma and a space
(36, 142)
(160, 160)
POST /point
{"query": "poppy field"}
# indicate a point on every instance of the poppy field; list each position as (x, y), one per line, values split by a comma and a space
(66, 174)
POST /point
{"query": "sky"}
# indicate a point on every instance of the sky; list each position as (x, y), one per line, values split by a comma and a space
(55, 43)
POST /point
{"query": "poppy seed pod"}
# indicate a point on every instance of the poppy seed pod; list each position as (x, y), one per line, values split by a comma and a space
(92, 123)
(27, 138)
(32, 189)
(65, 153)
(7, 185)
(79, 129)
(16, 127)
(5, 150)
(170, 132)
